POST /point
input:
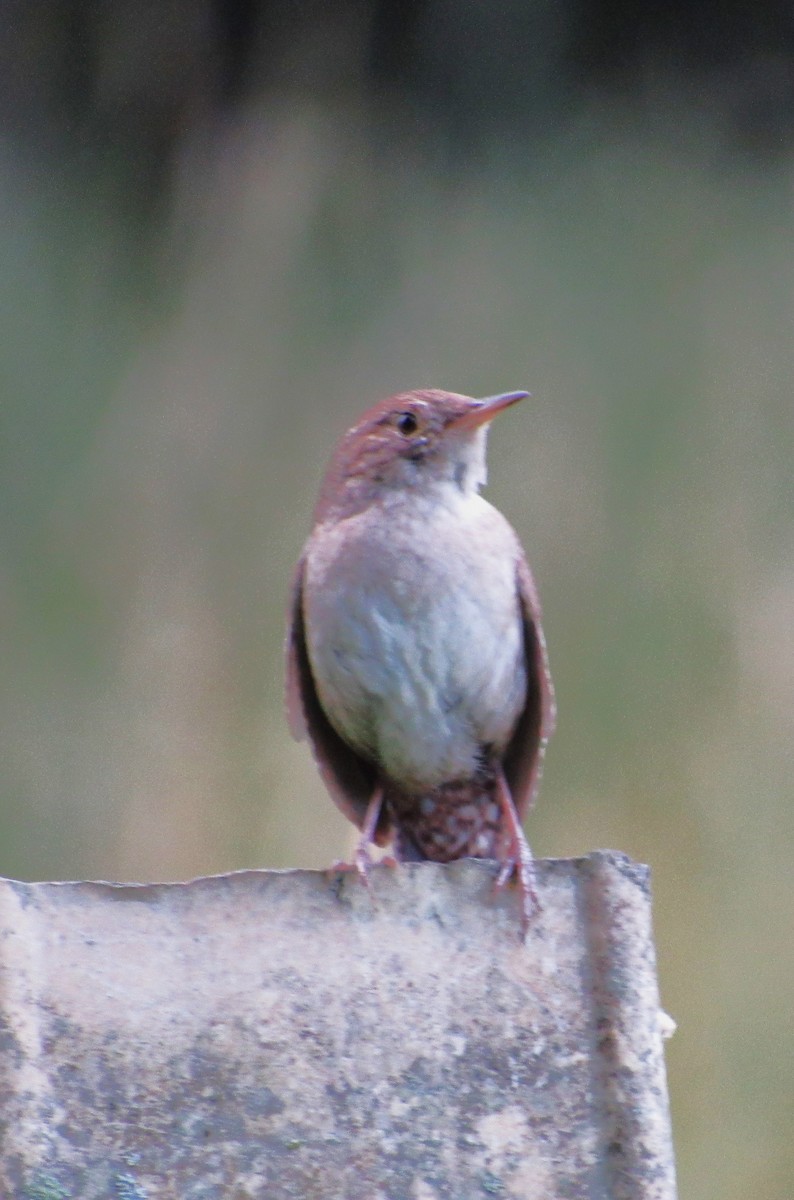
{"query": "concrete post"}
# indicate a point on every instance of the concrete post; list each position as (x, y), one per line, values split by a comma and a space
(286, 1034)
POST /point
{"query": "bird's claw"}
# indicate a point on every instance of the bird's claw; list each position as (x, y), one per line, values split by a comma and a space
(363, 864)
(525, 877)
(506, 868)
(339, 867)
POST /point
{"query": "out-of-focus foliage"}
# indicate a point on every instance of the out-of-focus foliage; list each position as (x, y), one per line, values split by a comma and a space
(184, 339)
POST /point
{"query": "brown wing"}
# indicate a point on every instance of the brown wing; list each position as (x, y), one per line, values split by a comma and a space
(349, 778)
(523, 760)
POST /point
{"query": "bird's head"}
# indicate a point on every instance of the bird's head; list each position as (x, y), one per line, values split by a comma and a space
(416, 439)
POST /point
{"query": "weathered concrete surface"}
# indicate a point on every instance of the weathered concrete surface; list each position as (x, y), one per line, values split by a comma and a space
(278, 1034)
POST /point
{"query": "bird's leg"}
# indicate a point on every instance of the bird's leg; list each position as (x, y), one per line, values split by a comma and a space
(363, 859)
(518, 856)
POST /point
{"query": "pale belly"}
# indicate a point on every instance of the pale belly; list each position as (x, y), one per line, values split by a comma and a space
(415, 637)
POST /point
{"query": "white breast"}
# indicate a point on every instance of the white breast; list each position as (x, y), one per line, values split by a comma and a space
(414, 633)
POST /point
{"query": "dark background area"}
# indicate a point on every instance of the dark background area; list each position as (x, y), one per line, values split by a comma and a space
(227, 229)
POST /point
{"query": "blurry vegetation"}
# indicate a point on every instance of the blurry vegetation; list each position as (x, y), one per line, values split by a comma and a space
(228, 228)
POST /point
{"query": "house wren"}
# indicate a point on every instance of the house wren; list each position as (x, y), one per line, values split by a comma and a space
(415, 657)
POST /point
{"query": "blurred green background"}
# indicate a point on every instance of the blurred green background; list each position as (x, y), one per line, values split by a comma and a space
(226, 229)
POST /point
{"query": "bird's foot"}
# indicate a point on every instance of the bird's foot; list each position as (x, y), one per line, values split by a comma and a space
(362, 860)
(339, 867)
(524, 869)
(518, 859)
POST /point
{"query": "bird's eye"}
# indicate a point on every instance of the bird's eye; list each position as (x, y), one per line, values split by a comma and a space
(407, 423)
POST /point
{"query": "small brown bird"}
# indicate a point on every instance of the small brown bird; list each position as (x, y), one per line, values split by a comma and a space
(416, 662)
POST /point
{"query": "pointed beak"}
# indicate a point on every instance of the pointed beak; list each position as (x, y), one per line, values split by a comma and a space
(487, 409)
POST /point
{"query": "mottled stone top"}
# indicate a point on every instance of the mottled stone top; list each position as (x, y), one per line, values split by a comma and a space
(286, 1034)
